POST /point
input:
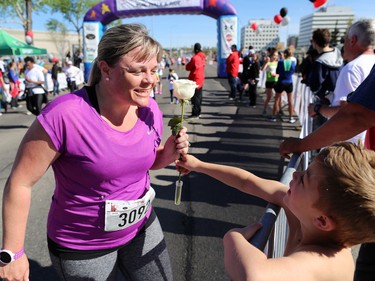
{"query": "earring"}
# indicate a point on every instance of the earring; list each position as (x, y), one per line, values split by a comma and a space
(107, 78)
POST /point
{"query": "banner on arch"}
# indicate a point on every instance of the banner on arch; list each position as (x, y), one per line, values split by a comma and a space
(227, 34)
(126, 5)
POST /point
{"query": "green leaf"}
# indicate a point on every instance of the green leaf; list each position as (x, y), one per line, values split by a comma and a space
(173, 121)
(176, 129)
(176, 124)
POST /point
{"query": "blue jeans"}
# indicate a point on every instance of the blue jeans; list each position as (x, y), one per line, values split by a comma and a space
(56, 87)
(1, 100)
(233, 85)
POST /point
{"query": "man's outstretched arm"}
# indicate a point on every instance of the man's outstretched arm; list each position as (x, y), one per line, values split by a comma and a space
(349, 121)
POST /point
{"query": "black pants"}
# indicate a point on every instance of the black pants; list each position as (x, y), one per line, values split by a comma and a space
(72, 86)
(233, 86)
(253, 93)
(14, 102)
(34, 103)
(196, 101)
(365, 266)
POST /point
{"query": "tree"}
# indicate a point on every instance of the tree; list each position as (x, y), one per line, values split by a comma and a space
(73, 11)
(58, 33)
(349, 24)
(335, 36)
(20, 11)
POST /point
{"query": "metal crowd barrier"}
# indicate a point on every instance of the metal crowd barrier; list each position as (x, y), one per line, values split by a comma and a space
(272, 237)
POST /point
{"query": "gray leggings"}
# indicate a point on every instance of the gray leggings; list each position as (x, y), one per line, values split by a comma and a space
(145, 258)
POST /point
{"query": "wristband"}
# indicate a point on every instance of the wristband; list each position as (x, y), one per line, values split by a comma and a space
(7, 256)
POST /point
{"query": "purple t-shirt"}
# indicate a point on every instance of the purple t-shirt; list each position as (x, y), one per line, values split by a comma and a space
(97, 163)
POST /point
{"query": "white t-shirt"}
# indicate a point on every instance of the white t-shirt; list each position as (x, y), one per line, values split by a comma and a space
(34, 74)
(41, 68)
(2, 66)
(72, 72)
(173, 78)
(350, 77)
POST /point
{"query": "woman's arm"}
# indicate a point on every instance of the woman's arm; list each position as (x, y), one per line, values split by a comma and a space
(34, 156)
(264, 67)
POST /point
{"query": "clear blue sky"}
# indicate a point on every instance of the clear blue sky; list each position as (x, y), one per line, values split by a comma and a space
(185, 30)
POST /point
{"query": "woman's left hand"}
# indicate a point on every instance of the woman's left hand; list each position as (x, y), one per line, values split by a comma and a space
(174, 147)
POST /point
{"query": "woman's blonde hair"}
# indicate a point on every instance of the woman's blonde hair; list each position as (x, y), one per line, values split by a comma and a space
(120, 40)
(347, 194)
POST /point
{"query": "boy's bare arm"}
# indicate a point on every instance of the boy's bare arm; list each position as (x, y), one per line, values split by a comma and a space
(269, 190)
(245, 262)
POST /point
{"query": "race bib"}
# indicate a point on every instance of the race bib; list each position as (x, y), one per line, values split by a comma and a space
(120, 214)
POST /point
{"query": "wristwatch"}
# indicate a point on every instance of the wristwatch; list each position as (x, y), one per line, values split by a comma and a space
(317, 108)
(7, 256)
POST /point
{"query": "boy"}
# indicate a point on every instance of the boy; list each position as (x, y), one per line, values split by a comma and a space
(172, 76)
(330, 207)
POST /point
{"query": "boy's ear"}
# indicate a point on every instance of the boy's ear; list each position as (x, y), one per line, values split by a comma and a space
(324, 223)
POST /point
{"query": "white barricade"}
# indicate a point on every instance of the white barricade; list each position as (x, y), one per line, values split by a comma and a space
(275, 230)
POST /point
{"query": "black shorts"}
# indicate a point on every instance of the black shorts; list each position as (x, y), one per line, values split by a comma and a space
(279, 88)
(270, 85)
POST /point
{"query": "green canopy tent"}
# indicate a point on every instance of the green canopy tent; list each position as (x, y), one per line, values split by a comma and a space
(13, 47)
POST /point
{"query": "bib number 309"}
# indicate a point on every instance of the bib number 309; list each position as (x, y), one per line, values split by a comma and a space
(122, 214)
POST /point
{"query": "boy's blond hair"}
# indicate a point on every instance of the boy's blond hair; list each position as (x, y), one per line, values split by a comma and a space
(347, 195)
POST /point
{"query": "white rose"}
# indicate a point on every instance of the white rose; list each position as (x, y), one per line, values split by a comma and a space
(184, 89)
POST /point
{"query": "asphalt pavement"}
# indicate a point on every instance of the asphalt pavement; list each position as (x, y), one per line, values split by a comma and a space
(228, 132)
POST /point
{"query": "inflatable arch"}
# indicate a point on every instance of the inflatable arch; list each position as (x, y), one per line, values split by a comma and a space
(103, 13)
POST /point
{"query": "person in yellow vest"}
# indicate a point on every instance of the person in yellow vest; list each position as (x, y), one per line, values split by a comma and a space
(271, 77)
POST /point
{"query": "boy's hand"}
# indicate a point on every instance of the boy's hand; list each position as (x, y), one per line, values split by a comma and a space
(248, 231)
(187, 164)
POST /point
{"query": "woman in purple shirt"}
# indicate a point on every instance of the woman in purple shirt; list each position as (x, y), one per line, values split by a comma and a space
(101, 141)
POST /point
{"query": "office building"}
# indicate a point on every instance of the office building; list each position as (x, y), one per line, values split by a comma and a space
(265, 36)
(336, 19)
(292, 40)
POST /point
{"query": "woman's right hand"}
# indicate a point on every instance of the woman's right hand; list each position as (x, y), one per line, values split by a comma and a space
(16, 271)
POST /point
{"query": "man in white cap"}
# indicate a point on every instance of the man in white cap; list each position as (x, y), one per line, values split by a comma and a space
(72, 73)
(246, 65)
